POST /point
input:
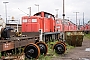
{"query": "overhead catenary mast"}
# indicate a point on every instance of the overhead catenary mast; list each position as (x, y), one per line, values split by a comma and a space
(63, 21)
(29, 11)
(83, 18)
(76, 19)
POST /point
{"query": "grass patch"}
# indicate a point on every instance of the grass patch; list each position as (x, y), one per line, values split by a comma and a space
(69, 47)
(87, 35)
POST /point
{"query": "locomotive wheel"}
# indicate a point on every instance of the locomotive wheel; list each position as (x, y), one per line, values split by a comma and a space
(59, 48)
(43, 47)
(32, 51)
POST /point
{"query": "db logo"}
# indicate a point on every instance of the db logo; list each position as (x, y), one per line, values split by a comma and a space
(29, 20)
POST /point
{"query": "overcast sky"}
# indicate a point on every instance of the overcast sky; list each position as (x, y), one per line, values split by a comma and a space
(71, 6)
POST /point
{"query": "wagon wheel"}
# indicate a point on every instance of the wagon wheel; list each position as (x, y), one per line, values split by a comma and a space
(43, 47)
(32, 51)
(61, 42)
(59, 48)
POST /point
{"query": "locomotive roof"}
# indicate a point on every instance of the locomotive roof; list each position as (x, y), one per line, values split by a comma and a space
(45, 13)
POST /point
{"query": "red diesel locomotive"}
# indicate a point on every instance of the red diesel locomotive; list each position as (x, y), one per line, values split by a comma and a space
(68, 25)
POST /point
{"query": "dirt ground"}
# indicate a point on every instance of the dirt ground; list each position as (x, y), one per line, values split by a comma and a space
(77, 53)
